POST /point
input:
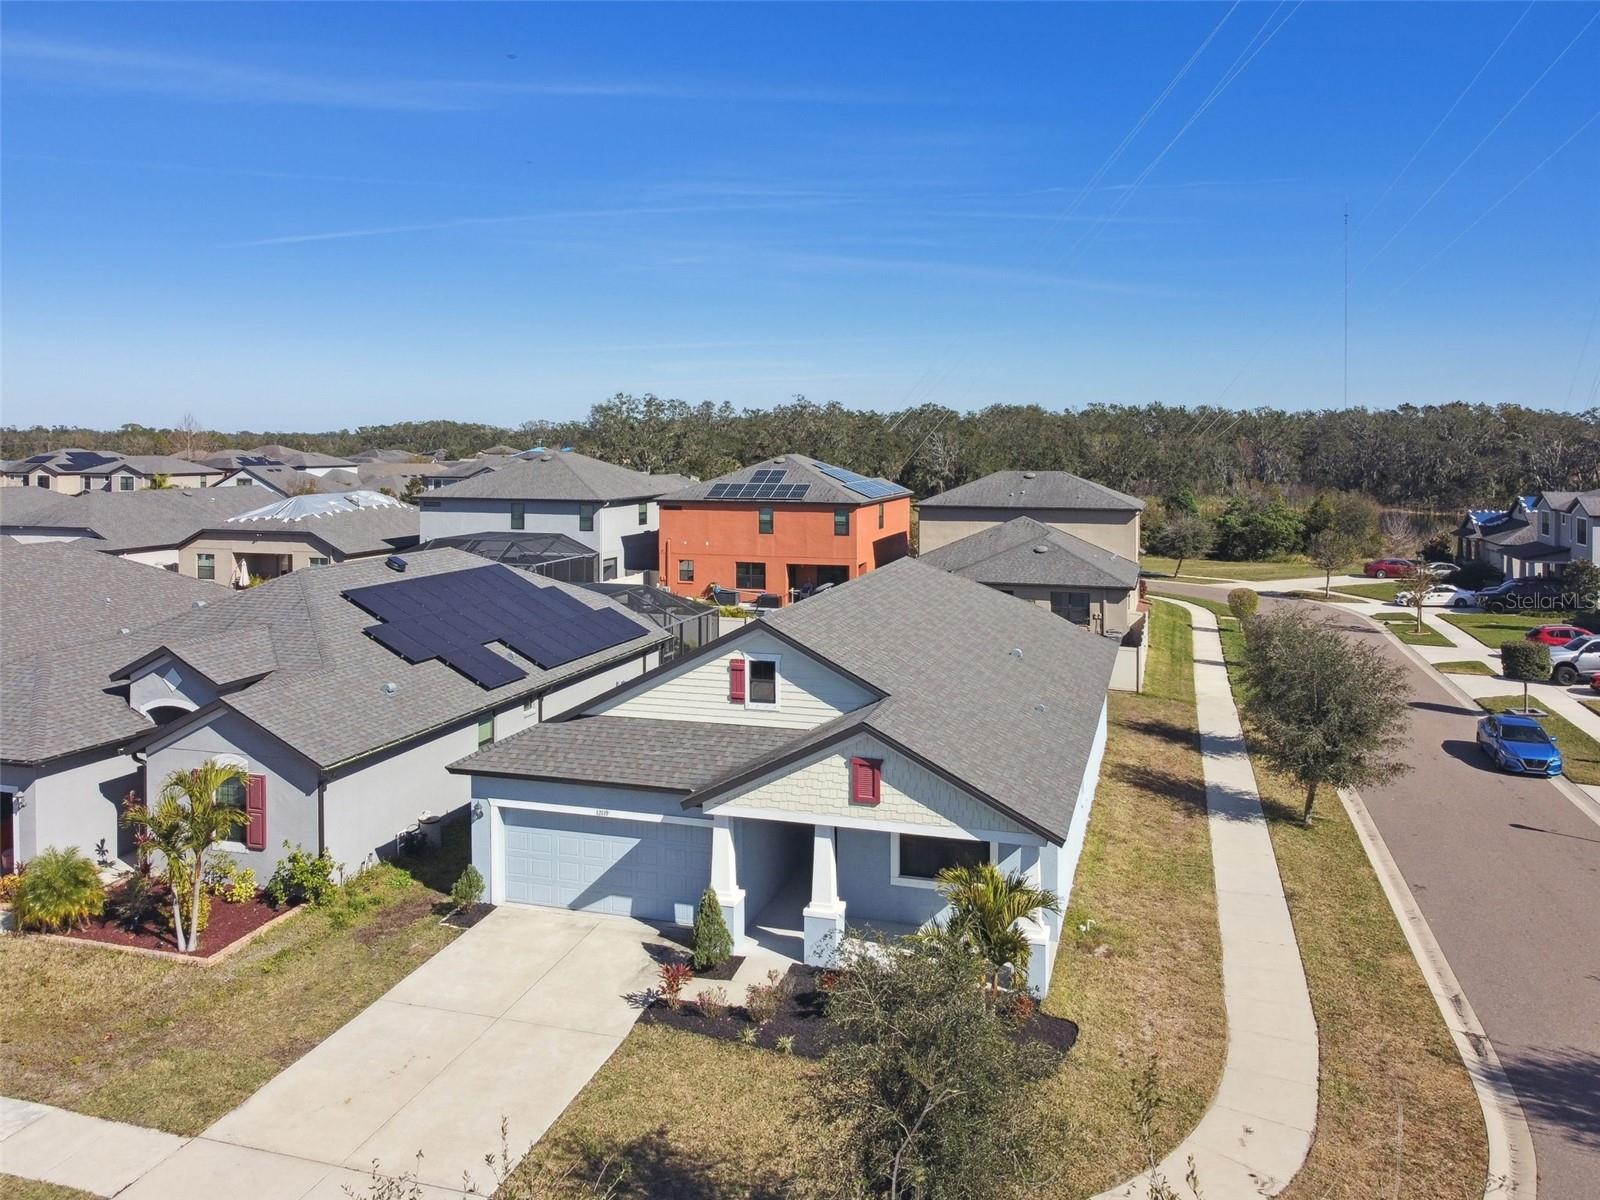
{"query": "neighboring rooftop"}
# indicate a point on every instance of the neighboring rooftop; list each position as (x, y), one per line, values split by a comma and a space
(147, 519)
(290, 481)
(98, 462)
(1036, 490)
(558, 475)
(791, 479)
(303, 459)
(1024, 551)
(523, 549)
(1586, 502)
(299, 508)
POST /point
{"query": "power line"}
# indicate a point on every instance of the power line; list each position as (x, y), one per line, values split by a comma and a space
(1493, 129)
(1583, 354)
(1471, 83)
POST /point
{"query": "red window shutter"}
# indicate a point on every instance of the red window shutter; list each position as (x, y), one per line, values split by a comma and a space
(255, 807)
(736, 680)
(865, 777)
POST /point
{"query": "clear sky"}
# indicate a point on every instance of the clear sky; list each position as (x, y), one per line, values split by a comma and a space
(315, 216)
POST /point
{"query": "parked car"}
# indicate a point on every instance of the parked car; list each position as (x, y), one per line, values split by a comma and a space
(1556, 635)
(1388, 568)
(1518, 744)
(1438, 595)
(1578, 659)
(1523, 595)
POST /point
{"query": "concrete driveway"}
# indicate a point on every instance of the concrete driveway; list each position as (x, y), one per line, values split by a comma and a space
(509, 1021)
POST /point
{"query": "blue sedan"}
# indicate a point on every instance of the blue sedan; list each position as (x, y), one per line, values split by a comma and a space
(1519, 744)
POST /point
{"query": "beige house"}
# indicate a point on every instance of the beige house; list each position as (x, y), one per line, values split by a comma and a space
(71, 472)
(1097, 514)
(303, 531)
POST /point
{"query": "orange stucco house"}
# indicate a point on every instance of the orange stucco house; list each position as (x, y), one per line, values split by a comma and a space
(779, 530)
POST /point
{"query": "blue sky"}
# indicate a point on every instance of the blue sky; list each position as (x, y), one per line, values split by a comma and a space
(314, 216)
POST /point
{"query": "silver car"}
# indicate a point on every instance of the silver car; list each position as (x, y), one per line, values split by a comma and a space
(1578, 659)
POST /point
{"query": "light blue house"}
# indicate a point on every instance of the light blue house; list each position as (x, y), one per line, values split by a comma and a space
(817, 769)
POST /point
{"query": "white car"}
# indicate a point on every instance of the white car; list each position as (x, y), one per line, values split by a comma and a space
(1439, 595)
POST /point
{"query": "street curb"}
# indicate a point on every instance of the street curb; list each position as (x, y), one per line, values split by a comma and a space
(1512, 1170)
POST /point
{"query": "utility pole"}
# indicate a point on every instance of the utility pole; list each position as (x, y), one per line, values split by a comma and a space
(1347, 301)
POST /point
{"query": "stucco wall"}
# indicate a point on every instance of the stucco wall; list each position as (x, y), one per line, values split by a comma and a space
(291, 781)
(1116, 610)
(809, 693)
(866, 888)
(72, 802)
(767, 856)
(169, 682)
(1117, 532)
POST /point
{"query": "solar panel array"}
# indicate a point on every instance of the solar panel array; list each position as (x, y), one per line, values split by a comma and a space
(872, 489)
(765, 484)
(453, 616)
(77, 460)
(257, 460)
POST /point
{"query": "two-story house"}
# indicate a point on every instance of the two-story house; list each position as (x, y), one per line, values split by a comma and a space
(608, 508)
(1533, 535)
(817, 769)
(1099, 515)
(780, 530)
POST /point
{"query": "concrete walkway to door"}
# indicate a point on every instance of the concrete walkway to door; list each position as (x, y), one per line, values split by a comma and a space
(509, 1021)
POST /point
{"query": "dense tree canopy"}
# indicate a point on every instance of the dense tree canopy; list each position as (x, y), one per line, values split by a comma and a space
(1441, 456)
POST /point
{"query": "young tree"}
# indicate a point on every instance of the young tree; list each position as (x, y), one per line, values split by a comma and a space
(1527, 661)
(1330, 550)
(1323, 710)
(928, 1091)
(713, 944)
(985, 907)
(1580, 583)
(1186, 536)
(412, 492)
(183, 826)
(160, 482)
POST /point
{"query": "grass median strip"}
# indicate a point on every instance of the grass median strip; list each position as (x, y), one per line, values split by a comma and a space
(1213, 569)
(1464, 666)
(1496, 629)
(1404, 627)
(1579, 751)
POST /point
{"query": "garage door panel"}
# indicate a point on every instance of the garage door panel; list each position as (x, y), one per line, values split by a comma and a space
(598, 864)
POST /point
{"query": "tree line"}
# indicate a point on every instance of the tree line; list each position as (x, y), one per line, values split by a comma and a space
(1434, 456)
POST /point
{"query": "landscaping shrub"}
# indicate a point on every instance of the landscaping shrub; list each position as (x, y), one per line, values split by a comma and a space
(674, 977)
(713, 1003)
(712, 944)
(227, 880)
(134, 901)
(9, 885)
(302, 878)
(468, 890)
(1527, 661)
(60, 889)
(763, 1000)
(1243, 603)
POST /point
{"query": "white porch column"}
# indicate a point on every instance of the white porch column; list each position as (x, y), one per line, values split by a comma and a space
(725, 879)
(824, 916)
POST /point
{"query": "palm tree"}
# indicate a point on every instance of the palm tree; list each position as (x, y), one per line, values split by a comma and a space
(184, 824)
(985, 909)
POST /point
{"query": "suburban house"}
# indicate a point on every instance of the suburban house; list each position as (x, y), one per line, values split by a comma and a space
(147, 526)
(1043, 565)
(346, 735)
(69, 616)
(72, 471)
(397, 476)
(780, 530)
(817, 769)
(283, 480)
(309, 461)
(1097, 514)
(608, 508)
(1533, 535)
(301, 531)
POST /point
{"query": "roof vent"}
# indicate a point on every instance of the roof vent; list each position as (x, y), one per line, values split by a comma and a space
(1030, 474)
(546, 457)
(198, 604)
(1041, 708)
(390, 688)
(395, 563)
(1041, 549)
(108, 599)
(124, 629)
(1016, 652)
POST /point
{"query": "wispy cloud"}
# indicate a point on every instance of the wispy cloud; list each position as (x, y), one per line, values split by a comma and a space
(223, 81)
(372, 231)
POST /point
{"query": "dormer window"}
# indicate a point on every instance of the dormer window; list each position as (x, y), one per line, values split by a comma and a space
(763, 682)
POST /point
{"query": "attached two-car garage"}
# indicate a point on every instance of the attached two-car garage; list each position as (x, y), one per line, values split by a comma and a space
(652, 869)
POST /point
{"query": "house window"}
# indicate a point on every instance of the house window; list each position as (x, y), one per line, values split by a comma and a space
(231, 795)
(205, 566)
(915, 861)
(750, 576)
(485, 730)
(518, 517)
(686, 570)
(243, 481)
(1074, 606)
(1544, 524)
(841, 522)
(608, 569)
(1580, 531)
(43, 481)
(586, 518)
(125, 483)
(763, 681)
(644, 512)
(880, 514)
(764, 520)
(317, 561)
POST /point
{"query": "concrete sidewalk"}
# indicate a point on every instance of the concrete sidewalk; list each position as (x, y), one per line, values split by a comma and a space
(1256, 1133)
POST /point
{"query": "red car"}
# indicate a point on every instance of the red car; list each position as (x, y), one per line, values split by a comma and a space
(1556, 635)
(1388, 568)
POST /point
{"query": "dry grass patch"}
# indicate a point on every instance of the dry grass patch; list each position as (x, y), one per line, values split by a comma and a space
(13, 1188)
(175, 1046)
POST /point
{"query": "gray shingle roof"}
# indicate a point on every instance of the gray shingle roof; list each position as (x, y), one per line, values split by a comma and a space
(326, 698)
(159, 464)
(1587, 502)
(797, 468)
(1025, 551)
(292, 481)
(289, 456)
(1036, 490)
(122, 521)
(362, 531)
(19, 505)
(557, 475)
(677, 756)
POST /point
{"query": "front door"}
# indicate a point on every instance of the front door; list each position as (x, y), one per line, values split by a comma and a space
(8, 852)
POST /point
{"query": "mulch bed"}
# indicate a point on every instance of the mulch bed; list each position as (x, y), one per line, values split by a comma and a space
(724, 970)
(229, 922)
(803, 1017)
(468, 916)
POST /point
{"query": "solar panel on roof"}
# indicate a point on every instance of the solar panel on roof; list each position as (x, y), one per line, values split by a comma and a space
(861, 485)
(38, 458)
(718, 491)
(454, 616)
(86, 460)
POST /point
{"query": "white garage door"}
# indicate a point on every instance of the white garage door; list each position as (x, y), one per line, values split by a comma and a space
(598, 864)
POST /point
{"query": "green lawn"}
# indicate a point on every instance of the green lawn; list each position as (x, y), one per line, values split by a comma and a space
(1465, 666)
(1332, 597)
(1217, 608)
(1404, 626)
(1384, 590)
(175, 1046)
(1579, 751)
(1592, 705)
(13, 1188)
(1496, 629)
(691, 1117)
(1216, 568)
